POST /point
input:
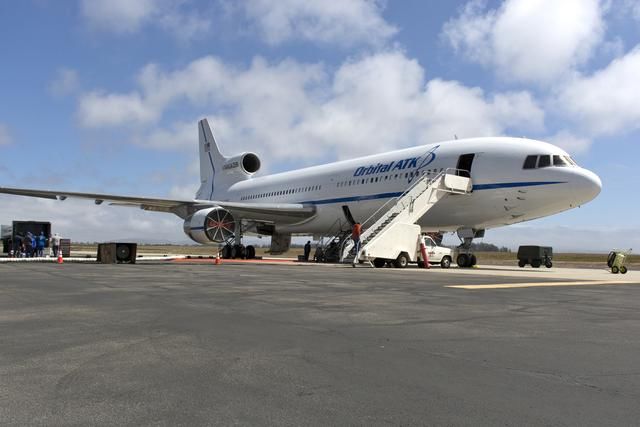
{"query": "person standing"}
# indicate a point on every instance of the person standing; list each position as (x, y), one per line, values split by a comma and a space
(307, 250)
(34, 246)
(42, 241)
(28, 244)
(355, 236)
(17, 246)
(55, 242)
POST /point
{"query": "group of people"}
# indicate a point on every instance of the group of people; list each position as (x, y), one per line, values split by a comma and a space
(31, 245)
(356, 231)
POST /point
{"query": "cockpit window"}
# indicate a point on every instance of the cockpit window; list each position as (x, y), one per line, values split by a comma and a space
(560, 161)
(544, 161)
(530, 162)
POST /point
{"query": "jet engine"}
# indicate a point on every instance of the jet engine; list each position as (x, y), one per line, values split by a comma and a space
(245, 163)
(210, 225)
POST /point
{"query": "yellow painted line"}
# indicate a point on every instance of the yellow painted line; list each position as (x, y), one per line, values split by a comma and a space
(543, 284)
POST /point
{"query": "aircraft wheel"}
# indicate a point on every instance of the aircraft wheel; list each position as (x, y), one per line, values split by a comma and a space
(463, 260)
(446, 262)
(250, 252)
(237, 251)
(226, 252)
(615, 270)
(536, 263)
(472, 260)
(623, 270)
(610, 258)
(548, 264)
(522, 263)
(379, 262)
(402, 261)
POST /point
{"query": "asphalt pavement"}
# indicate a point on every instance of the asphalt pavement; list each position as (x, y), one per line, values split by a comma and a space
(256, 344)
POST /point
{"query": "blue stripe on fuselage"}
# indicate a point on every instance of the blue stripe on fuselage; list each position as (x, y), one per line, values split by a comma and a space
(514, 185)
(397, 194)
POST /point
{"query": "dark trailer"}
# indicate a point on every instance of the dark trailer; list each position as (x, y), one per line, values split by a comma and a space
(535, 255)
(21, 228)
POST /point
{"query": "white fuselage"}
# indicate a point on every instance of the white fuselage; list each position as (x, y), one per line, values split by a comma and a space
(504, 192)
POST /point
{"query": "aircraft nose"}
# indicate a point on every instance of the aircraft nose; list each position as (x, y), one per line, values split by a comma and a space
(588, 186)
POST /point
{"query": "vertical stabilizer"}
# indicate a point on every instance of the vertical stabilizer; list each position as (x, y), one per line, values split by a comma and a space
(211, 161)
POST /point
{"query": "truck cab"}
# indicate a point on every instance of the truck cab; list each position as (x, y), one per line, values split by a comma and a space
(437, 254)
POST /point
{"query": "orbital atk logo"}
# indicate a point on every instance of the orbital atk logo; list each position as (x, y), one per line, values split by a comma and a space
(414, 163)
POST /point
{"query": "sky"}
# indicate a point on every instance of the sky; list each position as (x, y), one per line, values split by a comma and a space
(104, 96)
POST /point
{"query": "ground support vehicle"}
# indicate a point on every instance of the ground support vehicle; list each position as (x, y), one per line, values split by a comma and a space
(616, 261)
(398, 247)
(436, 254)
(401, 246)
(536, 256)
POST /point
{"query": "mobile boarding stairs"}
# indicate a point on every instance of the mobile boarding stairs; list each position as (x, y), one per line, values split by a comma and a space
(392, 230)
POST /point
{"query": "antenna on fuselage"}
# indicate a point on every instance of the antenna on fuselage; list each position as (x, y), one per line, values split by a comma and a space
(455, 136)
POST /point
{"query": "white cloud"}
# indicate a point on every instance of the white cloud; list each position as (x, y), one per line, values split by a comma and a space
(5, 136)
(179, 135)
(606, 102)
(101, 109)
(289, 110)
(118, 16)
(632, 7)
(570, 142)
(65, 82)
(342, 22)
(528, 40)
(127, 17)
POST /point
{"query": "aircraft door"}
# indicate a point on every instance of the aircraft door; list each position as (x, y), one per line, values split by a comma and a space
(465, 162)
(347, 214)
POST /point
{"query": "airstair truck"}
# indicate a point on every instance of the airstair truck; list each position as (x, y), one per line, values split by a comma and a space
(395, 236)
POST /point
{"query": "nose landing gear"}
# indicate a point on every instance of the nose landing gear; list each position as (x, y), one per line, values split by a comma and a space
(465, 258)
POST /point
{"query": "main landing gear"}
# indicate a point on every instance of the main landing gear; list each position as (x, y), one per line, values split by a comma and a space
(238, 251)
(234, 249)
(465, 258)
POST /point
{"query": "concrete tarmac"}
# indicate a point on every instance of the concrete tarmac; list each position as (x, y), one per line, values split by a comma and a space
(259, 344)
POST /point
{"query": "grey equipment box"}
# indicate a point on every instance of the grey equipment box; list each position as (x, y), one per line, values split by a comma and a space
(121, 253)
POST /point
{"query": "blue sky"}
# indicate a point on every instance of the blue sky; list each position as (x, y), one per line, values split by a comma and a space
(104, 96)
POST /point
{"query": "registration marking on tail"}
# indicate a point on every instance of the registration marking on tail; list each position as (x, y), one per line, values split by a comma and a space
(543, 284)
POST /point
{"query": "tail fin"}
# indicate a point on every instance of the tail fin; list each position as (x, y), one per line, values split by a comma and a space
(211, 160)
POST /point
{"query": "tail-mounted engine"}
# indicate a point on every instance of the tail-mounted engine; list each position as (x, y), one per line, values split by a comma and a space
(210, 225)
(245, 163)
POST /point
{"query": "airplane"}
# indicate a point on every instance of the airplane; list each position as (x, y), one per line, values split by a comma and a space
(514, 180)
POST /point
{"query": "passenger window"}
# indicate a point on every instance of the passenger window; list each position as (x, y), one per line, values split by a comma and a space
(530, 162)
(544, 161)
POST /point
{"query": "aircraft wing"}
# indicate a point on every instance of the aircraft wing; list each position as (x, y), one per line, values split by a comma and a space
(288, 213)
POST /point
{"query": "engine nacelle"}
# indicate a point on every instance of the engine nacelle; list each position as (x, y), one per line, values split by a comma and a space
(210, 225)
(245, 163)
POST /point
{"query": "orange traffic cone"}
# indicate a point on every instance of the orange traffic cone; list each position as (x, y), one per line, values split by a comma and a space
(60, 260)
(218, 261)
